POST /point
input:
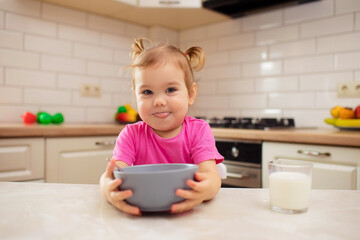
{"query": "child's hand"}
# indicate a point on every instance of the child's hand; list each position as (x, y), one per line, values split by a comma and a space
(205, 188)
(109, 188)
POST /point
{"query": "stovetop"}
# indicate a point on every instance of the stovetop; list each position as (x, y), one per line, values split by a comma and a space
(250, 123)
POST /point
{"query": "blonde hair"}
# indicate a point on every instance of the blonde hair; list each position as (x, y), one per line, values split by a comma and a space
(191, 59)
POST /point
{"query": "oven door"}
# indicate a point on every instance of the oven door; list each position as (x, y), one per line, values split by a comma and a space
(243, 162)
(242, 176)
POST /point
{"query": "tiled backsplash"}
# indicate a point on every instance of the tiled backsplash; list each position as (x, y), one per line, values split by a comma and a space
(281, 63)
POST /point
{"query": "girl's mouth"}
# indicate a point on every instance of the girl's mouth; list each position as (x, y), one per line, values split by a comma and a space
(161, 114)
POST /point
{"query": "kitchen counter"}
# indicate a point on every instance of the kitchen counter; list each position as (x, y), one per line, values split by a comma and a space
(310, 136)
(69, 211)
(62, 130)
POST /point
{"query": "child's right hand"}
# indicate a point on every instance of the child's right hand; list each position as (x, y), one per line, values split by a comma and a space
(109, 188)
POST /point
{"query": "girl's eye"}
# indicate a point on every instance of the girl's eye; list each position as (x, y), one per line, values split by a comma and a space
(147, 92)
(170, 90)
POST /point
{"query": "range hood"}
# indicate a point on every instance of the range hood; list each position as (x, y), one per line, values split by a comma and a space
(239, 8)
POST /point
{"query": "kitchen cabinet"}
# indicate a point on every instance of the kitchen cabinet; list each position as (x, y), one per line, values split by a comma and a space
(333, 167)
(77, 159)
(22, 159)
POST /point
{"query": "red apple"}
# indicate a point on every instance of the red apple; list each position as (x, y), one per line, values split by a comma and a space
(357, 111)
(122, 117)
(28, 118)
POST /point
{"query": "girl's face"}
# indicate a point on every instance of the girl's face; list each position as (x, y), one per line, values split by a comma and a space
(162, 98)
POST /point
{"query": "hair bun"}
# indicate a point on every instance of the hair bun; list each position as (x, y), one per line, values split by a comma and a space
(196, 57)
(138, 47)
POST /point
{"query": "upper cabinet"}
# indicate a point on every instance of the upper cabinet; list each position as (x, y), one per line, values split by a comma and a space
(172, 14)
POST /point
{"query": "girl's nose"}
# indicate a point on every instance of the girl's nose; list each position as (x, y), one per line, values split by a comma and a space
(159, 100)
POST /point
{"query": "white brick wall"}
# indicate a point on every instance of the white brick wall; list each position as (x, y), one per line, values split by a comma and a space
(11, 40)
(63, 15)
(48, 45)
(21, 59)
(333, 25)
(263, 21)
(2, 19)
(280, 63)
(2, 76)
(30, 78)
(308, 12)
(48, 51)
(290, 60)
(29, 25)
(346, 6)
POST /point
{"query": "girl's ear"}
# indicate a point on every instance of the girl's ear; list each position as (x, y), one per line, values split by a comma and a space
(192, 94)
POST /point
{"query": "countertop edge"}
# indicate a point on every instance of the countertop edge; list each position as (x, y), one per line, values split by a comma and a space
(316, 136)
(76, 130)
(332, 137)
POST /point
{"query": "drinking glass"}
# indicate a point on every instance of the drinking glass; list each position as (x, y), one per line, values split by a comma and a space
(289, 185)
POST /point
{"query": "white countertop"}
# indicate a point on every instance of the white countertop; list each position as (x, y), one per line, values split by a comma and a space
(74, 211)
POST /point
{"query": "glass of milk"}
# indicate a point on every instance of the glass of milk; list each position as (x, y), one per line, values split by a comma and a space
(289, 185)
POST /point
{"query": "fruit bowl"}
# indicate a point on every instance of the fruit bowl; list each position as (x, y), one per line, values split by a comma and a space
(154, 185)
(345, 124)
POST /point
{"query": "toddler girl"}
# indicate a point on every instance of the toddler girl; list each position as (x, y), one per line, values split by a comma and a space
(164, 87)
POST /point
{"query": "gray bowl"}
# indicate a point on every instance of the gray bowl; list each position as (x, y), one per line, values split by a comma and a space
(154, 185)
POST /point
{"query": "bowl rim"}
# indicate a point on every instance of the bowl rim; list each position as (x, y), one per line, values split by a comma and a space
(190, 166)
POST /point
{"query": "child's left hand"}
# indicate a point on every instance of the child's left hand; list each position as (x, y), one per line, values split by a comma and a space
(205, 188)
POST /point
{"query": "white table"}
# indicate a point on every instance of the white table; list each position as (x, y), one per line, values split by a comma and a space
(69, 211)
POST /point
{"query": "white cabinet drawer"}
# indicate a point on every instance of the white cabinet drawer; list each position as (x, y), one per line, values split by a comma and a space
(334, 167)
(22, 159)
(341, 176)
(77, 159)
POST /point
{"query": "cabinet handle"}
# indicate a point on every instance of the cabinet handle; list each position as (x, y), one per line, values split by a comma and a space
(105, 143)
(169, 2)
(237, 175)
(314, 153)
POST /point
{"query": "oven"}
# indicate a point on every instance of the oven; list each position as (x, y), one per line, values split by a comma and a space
(243, 162)
(242, 158)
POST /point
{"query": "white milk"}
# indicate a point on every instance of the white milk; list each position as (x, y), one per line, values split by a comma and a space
(289, 190)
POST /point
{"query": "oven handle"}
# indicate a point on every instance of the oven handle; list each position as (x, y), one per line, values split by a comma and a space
(237, 175)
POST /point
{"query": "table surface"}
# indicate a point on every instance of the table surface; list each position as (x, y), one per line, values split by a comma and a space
(78, 211)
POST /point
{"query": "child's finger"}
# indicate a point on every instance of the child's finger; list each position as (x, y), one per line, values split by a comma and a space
(183, 206)
(200, 176)
(114, 184)
(121, 195)
(126, 208)
(196, 186)
(110, 168)
(187, 194)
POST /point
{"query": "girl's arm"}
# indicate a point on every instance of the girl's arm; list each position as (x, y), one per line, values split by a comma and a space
(205, 188)
(109, 189)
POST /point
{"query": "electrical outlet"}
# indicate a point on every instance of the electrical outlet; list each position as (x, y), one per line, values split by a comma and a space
(90, 90)
(348, 89)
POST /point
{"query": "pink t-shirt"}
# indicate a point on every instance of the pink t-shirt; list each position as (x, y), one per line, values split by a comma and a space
(138, 144)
